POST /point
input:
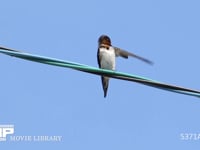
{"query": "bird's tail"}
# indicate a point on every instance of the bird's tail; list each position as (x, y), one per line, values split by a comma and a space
(105, 83)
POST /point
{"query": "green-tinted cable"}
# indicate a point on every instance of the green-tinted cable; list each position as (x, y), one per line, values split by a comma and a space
(97, 71)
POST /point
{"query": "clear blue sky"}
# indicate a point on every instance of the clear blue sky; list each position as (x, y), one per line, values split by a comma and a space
(46, 100)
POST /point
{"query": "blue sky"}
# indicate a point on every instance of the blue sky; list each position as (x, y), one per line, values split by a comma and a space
(45, 100)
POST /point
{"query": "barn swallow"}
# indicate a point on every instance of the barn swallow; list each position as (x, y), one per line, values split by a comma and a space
(106, 58)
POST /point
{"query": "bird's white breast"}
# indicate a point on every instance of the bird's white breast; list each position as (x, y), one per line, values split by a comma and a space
(107, 58)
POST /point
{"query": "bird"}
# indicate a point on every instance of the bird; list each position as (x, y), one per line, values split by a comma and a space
(106, 58)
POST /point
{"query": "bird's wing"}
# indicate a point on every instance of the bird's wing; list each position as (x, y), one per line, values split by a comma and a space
(98, 58)
(125, 54)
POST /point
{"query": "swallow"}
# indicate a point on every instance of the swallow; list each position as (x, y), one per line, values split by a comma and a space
(106, 55)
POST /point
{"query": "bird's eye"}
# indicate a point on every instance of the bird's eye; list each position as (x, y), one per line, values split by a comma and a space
(107, 39)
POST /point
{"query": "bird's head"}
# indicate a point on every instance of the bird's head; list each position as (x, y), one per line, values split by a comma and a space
(104, 40)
